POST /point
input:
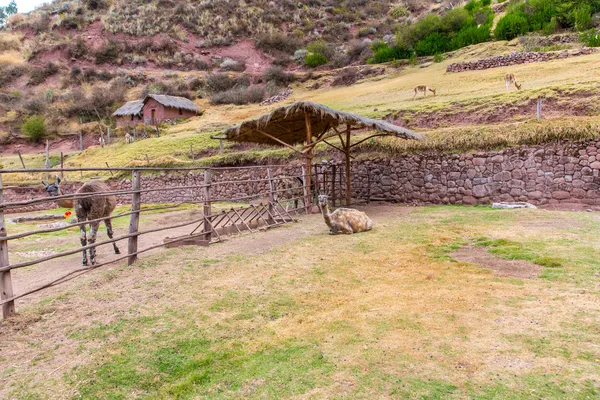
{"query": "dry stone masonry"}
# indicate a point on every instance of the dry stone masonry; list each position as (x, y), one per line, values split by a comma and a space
(566, 172)
(514, 58)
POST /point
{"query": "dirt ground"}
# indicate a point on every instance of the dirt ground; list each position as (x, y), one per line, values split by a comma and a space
(447, 318)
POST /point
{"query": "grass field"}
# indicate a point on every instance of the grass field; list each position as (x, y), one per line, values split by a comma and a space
(296, 313)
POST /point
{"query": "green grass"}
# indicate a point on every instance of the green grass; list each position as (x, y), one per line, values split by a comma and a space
(382, 314)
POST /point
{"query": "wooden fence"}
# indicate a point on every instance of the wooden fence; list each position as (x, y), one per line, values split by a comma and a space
(263, 209)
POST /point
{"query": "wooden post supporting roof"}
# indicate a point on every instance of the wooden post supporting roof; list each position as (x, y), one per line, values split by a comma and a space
(347, 151)
(309, 157)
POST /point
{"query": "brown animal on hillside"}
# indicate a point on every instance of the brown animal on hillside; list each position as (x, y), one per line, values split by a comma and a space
(509, 80)
(424, 89)
(89, 208)
(128, 138)
(344, 220)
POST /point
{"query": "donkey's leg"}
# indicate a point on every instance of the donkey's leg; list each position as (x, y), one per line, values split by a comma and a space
(92, 240)
(109, 232)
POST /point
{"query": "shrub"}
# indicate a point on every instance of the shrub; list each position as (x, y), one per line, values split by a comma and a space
(78, 49)
(510, 26)
(384, 53)
(469, 36)
(359, 49)
(34, 106)
(432, 44)
(550, 27)
(456, 19)
(196, 84)
(278, 76)
(438, 58)
(590, 38)
(10, 73)
(34, 128)
(279, 42)
(313, 60)
(39, 75)
(398, 11)
(108, 53)
(239, 96)
(219, 82)
(321, 47)
(583, 17)
(233, 65)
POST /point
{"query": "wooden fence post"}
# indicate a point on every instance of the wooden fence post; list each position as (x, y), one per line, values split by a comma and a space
(333, 168)
(539, 109)
(47, 163)
(271, 192)
(306, 191)
(21, 158)
(108, 135)
(207, 210)
(341, 188)
(62, 165)
(221, 146)
(134, 133)
(6, 290)
(80, 140)
(134, 220)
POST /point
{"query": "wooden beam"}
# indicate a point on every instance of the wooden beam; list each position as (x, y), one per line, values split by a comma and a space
(337, 148)
(322, 139)
(370, 137)
(348, 165)
(278, 140)
(309, 157)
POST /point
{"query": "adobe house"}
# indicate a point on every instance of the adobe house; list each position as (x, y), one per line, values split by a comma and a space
(155, 108)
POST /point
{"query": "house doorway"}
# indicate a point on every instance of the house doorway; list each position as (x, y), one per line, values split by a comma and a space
(153, 116)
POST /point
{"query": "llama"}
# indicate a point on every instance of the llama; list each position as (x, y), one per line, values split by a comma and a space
(288, 188)
(344, 220)
(89, 208)
(424, 89)
(128, 138)
(509, 80)
(101, 142)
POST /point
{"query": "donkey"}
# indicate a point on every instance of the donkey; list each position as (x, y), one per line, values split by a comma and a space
(288, 188)
(89, 208)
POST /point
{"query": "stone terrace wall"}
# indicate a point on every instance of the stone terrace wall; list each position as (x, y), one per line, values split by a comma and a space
(566, 172)
(545, 174)
(514, 58)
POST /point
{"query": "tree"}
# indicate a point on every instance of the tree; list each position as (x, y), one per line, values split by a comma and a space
(7, 11)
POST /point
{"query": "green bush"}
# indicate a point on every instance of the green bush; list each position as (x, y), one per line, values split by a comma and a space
(432, 44)
(549, 27)
(34, 128)
(384, 53)
(438, 58)
(321, 47)
(510, 26)
(469, 36)
(583, 17)
(313, 60)
(108, 53)
(590, 38)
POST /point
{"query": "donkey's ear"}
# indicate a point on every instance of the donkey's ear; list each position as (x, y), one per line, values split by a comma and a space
(57, 181)
(45, 184)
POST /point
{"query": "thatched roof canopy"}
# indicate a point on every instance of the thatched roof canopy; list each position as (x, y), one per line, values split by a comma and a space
(135, 107)
(288, 124)
(173, 101)
(130, 108)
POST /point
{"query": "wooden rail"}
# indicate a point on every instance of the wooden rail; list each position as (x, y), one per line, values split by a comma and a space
(211, 226)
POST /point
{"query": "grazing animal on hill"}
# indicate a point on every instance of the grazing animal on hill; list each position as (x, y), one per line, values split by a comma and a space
(89, 208)
(101, 142)
(424, 89)
(344, 220)
(289, 188)
(128, 138)
(509, 80)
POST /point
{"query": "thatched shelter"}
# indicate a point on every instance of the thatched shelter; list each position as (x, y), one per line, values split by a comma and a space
(311, 123)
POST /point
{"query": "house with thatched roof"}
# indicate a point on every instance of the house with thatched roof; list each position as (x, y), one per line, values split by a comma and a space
(155, 108)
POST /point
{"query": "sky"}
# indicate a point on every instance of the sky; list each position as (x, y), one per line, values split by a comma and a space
(25, 5)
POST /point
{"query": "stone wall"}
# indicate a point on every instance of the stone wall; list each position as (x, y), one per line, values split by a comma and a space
(544, 174)
(566, 172)
(514, 58)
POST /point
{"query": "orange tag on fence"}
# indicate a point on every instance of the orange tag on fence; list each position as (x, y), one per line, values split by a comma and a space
(67, 214)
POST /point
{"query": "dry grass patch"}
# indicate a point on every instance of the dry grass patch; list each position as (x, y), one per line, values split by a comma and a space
(295, 312)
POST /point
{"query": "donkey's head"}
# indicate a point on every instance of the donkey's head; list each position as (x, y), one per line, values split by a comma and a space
(518, 85)
(53, 189)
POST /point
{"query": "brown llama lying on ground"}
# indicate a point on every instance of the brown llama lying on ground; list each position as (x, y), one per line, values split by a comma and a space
(89, 208)
(344, 220)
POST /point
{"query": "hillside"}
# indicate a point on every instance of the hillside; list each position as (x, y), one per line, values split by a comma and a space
(74, 63)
